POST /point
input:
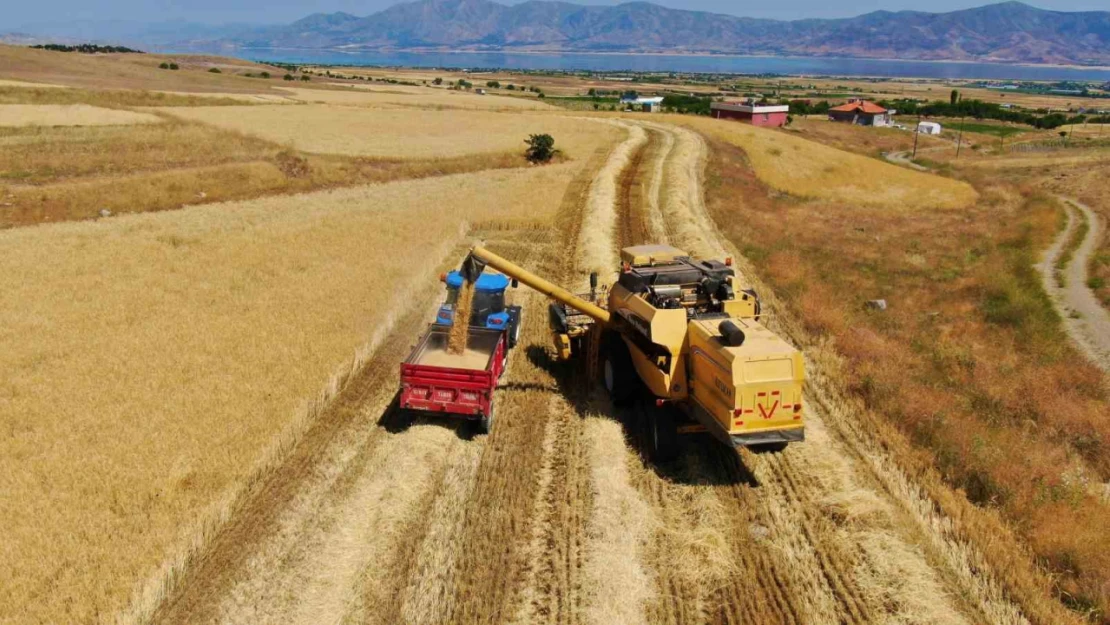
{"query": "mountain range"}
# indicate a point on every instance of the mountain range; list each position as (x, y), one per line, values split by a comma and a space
(1009, 32)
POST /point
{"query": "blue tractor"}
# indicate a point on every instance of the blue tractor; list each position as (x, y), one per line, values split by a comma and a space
(488, 309)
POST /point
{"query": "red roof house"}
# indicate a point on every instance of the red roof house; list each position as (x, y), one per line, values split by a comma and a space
(860, 112)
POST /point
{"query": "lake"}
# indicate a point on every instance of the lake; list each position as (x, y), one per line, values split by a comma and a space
(678, 63)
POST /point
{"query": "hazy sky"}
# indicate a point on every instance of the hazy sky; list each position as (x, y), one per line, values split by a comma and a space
(17, 13)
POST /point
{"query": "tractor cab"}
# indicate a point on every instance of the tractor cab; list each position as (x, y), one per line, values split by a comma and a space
(488, 309)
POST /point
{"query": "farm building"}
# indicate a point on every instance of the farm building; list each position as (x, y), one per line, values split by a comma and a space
(754, 114)
(647, 105)
(928, 128)
(860, 112)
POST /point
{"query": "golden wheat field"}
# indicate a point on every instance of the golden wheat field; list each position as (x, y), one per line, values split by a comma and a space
(180, 347)
(804, 168)
(14, 115)
(394, 133)
(200, 408)
(406, 96)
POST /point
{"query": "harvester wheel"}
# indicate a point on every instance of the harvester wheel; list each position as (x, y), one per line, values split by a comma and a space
(486, 424)
(664, 436)
(617, 372)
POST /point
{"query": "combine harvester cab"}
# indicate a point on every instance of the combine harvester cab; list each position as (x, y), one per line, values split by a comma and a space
(434, 380)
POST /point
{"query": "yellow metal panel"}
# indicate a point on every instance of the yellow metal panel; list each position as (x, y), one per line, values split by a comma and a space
(639, 255)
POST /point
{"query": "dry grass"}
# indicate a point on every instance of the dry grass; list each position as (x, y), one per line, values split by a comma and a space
(180, 384)
(39, 155)
(807, 169)
(117, 99)
(403, 96)
(16, 115)
(132, 71)
(70, 174)
(862, 139)
(969, 361)
(401, 134)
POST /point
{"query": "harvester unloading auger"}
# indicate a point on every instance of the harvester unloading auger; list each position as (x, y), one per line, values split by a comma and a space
(674, 329)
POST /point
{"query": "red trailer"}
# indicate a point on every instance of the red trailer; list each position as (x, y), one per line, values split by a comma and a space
(462, 385)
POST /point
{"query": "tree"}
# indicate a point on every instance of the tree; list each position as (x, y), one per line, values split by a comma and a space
(288, 77)
(164, 66)
(493, 84)
(540, 148)
(511, 87)
(265, 74)
(437, 81)
(592, 92)
(304, 78)
(214, 70)
(954, 97)
(173, 65)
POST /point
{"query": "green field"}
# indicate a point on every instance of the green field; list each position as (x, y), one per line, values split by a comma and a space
(985, 129)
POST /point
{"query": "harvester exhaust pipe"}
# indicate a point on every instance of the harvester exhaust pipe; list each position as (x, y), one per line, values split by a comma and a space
(731, 334)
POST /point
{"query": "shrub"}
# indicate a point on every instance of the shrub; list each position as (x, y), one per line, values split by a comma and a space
(540, 148)
(437, 81)
(305, 78)
(173, 66)
(163, 66)
(265, 74)
(493, 84)
(288, 77)
(214, 70)
(292, 164)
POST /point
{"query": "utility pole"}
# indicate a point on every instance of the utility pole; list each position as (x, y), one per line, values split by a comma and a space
(916, 132)
(960, 138)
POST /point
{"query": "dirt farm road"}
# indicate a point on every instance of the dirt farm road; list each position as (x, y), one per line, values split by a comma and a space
(1086, 319)
(555, 517)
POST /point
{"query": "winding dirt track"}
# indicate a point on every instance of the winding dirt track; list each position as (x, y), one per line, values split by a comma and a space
(555, 517)
(1086, 319)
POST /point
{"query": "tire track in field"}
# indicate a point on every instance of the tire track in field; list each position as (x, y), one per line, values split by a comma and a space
(540, 542)
(256, 557)
(797, 537)
(360, 503)
(886, 549)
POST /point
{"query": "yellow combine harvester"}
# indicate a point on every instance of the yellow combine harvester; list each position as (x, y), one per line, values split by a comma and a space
(674, 329)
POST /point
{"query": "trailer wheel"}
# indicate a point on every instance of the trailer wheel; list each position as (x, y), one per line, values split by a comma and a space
(664, 436)
(514, 334)
(486, 424)
(617, 372)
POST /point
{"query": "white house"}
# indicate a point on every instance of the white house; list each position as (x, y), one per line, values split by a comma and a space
(647, 105)
(928, 128)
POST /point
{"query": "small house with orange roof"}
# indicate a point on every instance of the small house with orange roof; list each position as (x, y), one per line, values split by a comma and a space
(860, 112)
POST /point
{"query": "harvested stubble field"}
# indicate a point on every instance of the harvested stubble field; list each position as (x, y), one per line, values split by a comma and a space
(399, 133)
(16, 115)
(178, 345)
(60, 174)
(404, 96)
